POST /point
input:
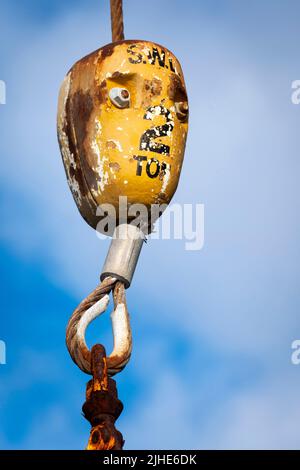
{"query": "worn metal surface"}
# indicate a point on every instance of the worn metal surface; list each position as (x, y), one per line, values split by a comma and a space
(90, 308)
(136, 151)
(102, 407)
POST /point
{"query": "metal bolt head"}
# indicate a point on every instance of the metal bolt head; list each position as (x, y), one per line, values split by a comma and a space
(120, 97)
(182, 110)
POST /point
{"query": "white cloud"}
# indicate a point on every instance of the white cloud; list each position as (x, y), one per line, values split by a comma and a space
(31, 366)
(53, 425)
(265, 417)
(209, 411)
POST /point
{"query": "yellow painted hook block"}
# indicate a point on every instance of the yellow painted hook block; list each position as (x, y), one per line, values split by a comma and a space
(122, 126)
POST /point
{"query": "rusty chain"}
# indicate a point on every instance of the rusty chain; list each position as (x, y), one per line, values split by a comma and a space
(102, 407)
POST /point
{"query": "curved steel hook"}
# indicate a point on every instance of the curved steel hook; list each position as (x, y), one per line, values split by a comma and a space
(90, 309)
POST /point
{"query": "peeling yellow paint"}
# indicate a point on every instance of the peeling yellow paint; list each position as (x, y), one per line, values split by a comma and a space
(111, 138)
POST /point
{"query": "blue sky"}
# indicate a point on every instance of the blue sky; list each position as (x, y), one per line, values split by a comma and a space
(212, 329)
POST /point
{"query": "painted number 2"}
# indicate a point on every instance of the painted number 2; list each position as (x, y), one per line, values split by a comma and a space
(148, 141)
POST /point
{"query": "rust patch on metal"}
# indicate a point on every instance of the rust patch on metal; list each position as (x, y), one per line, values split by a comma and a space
(73, 170)
(176, 89)
(81, 111)
(107, 51)
(110, 144)
(151, 88)
(102, 92)
(114, 166)
(119, 76)
(82, 108)
(161, 197)
(161, 175)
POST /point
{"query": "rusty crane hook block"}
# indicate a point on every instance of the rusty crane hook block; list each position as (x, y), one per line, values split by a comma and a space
(122, 125)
